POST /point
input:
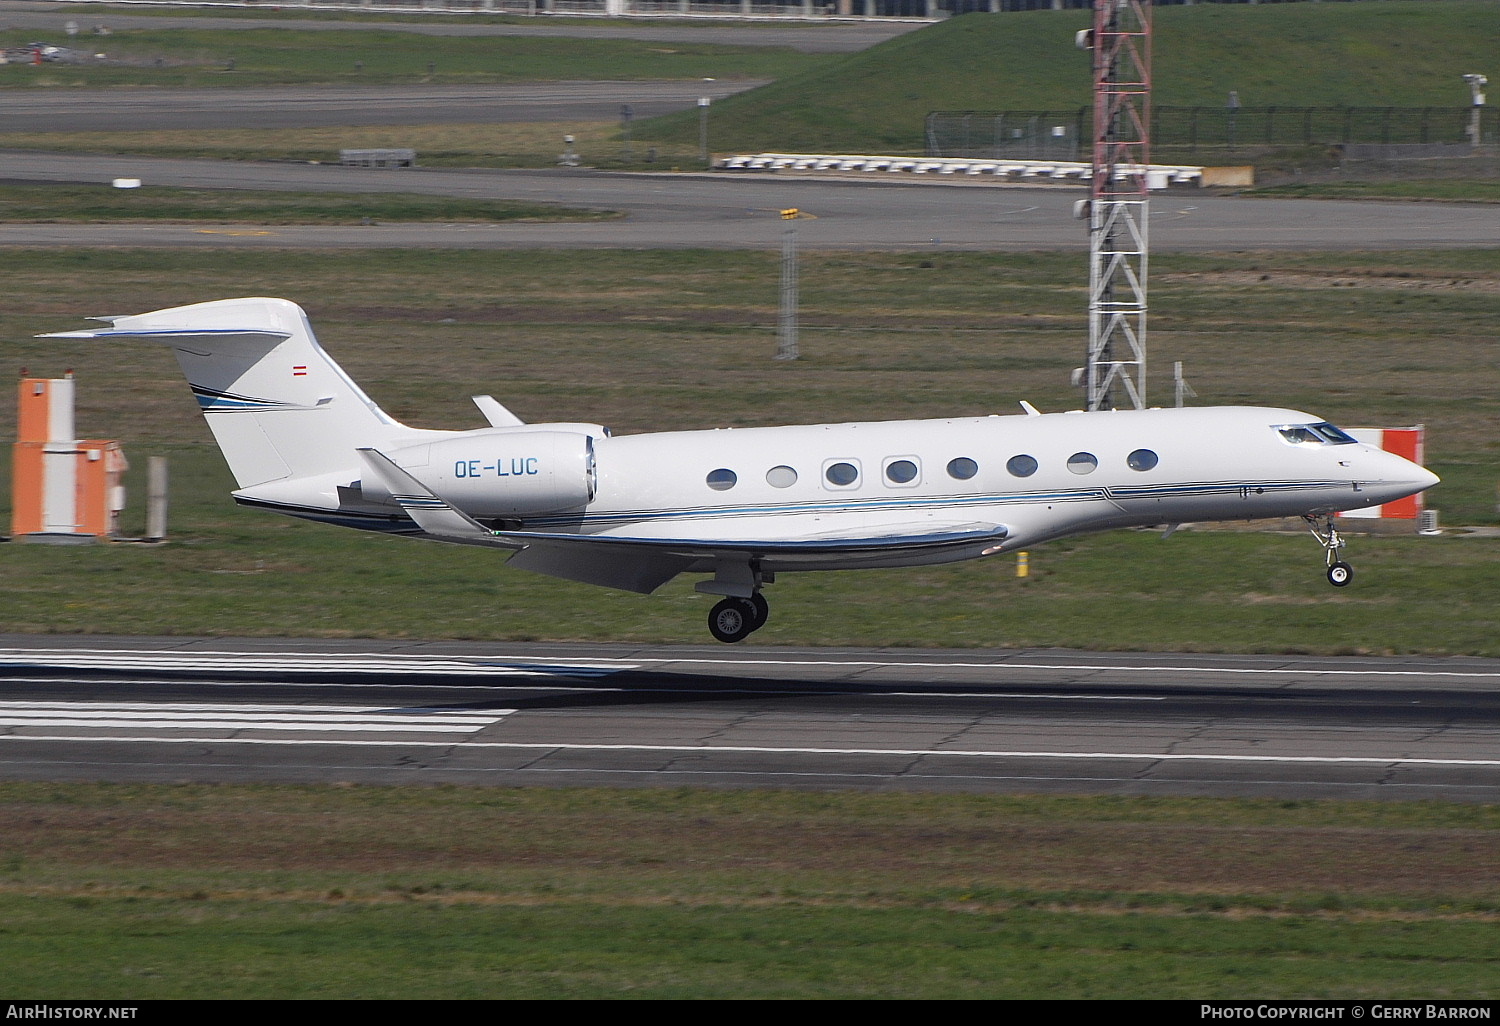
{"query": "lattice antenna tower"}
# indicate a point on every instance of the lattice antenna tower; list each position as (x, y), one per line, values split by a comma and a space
(1118, 212)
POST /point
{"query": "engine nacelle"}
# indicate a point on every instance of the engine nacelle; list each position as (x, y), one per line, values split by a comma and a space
(505, 472)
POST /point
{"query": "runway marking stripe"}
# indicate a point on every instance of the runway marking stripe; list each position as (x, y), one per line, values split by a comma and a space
(306, 662)
(1308, 671)
(501, 666)
(762, 750)
(427, 728)
(171, 716)
(235, 707)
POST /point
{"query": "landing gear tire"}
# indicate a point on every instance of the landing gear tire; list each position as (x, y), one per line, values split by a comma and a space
(761, 608)
(733, 619)
(1339, 572)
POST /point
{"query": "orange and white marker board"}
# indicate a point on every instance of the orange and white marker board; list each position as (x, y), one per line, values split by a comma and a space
(61, 485)
(1403, 441)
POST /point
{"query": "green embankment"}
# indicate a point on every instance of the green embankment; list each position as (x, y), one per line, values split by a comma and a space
(1407, 54)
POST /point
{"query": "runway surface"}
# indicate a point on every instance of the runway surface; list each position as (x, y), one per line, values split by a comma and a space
(50, 20)
(114, 110)
(147, 709)
(728, 211)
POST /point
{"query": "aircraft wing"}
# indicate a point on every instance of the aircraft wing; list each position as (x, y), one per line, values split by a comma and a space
(925, 535)
(643, 564)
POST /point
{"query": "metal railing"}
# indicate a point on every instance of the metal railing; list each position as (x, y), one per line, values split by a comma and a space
(1048, 133)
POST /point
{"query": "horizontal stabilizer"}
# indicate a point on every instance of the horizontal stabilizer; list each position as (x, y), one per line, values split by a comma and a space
(176, 336)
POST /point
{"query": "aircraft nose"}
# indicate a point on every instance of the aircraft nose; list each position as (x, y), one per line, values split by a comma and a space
(1403, 476)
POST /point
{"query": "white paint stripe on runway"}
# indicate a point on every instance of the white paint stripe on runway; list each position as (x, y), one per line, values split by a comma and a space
(832, 690)
(534, 666)
(1352, 760)
(305, 662)
(245, 707)
(173, 716)
(1091, 667)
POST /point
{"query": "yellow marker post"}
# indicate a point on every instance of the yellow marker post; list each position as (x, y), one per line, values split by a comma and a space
(1023, 564)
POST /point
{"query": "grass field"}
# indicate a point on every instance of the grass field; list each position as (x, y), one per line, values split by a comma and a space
(210, 58)
(122, 891)
(521, 144)
(665, 340)
(95, 203)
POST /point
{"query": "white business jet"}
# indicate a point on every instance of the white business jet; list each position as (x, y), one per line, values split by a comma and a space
(744, 504)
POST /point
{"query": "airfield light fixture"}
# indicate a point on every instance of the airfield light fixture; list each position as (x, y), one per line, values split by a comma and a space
(1476, 101)
(703, 102)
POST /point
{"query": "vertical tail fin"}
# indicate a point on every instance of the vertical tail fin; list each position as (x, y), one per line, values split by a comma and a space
(278, 405)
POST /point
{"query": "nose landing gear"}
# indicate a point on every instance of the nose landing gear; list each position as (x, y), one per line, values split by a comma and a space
(1339, 572)
(735, 619)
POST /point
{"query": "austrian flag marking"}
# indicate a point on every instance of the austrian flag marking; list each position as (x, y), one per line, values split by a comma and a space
(299, 371)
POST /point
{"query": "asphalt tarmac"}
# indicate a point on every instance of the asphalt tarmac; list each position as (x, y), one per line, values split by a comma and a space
(169, 709)
(113, 110)
(742, 211)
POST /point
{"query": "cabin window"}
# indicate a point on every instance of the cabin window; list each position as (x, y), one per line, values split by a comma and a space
(1141, 459)
(841, 474)
(781, 477)
(962, 468)
(901, 472)
(1083, 462)
(1021, 466)
(721, 480)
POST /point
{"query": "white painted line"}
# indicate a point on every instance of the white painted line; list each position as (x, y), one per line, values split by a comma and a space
(173, 716)
(1107, 668)
(355, 662)
(204, 724)
(502, 666)
(1373, 760)
(234, 707)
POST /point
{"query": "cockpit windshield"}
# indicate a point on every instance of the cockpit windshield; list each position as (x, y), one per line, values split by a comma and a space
(1314, 434)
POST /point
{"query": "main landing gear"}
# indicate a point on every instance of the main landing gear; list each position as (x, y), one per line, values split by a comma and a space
(1339, 572)
(735, 619)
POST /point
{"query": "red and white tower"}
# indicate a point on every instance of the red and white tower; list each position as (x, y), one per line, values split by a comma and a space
(1118, 213)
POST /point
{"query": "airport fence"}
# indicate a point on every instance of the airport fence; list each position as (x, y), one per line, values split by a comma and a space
(1063, 134)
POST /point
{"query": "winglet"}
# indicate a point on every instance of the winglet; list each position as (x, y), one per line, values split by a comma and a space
(1031, 411)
